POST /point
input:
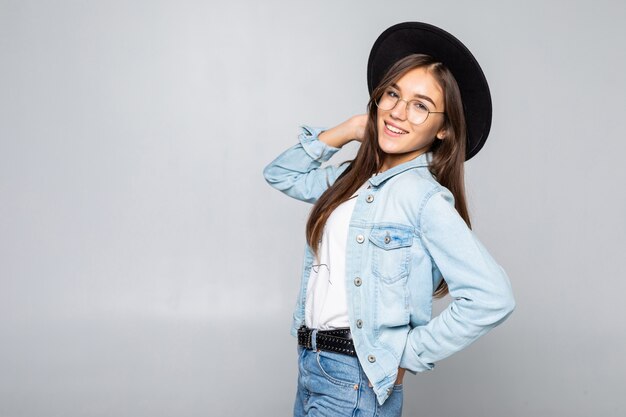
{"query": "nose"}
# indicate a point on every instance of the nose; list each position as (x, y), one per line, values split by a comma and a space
(399, 110)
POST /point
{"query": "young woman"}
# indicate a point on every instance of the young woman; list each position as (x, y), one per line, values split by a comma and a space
(390, 229)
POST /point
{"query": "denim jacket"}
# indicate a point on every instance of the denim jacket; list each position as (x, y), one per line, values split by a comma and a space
(404, 237)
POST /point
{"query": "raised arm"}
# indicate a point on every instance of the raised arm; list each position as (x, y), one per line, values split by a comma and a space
(297, 171)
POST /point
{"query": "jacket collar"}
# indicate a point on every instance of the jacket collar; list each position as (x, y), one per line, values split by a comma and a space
(422, 160)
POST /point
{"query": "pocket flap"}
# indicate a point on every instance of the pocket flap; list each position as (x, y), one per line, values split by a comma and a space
(390, 237)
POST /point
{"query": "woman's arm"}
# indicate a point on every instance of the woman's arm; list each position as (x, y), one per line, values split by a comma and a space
(481, 293)
(351, 129)
(297, 173)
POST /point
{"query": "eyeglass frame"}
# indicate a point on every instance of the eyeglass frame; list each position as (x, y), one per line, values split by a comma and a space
(399, 99)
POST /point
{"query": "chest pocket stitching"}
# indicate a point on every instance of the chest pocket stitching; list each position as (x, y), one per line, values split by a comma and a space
(391, 238)
(392, 253)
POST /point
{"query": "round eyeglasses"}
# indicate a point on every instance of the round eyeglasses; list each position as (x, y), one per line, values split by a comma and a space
(416, 111)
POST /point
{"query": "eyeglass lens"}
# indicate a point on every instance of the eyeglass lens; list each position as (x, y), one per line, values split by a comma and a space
(416, 112)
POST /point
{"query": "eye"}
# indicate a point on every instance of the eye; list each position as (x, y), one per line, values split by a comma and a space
(391, 93)
(418, 106)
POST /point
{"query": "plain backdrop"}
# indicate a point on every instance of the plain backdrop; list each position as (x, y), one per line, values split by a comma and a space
(147, 269)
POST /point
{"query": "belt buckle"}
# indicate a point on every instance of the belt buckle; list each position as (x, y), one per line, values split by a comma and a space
(304, 336)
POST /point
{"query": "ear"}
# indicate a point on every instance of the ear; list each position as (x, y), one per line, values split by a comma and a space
(441, 134)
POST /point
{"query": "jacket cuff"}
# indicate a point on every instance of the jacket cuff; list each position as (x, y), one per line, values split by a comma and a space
(314, 147)
(412, 362)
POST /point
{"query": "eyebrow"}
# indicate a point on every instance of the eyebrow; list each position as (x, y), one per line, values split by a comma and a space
(394, 85)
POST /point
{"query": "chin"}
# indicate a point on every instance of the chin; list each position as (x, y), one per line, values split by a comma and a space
(388, 147)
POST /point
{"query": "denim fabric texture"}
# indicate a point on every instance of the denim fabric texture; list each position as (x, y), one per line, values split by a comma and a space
(404, 236)
(334, 385)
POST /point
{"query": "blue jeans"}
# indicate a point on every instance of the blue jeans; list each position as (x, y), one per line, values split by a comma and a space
(334, 385)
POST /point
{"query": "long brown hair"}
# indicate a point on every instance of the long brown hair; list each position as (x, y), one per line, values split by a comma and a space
(448, 154)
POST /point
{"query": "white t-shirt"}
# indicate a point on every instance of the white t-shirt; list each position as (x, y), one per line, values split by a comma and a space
(326, 306)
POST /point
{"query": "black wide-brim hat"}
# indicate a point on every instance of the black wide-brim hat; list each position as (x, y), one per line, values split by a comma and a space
(409, 38)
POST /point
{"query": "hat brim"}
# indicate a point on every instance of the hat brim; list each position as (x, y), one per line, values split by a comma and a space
(409, 38)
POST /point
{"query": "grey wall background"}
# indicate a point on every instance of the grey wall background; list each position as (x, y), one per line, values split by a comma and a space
(146, 269)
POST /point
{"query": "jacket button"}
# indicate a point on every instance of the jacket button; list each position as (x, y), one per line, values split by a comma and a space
(369, 198)
(360, 238)
(359, 323)
(387, 239)
(389, 391)
(371, 358)
(358, 281)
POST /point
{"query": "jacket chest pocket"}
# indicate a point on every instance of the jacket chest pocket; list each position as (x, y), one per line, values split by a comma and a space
(391, 252)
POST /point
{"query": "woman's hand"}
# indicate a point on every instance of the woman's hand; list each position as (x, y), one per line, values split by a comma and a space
(351, 129)
(399, 378)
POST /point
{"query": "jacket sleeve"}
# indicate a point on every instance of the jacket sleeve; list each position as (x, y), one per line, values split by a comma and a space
(480, 289)
(297, 172)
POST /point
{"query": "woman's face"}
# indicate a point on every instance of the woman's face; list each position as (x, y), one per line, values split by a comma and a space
(400, 139)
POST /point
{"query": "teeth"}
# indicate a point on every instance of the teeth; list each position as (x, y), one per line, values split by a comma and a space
(395, 130)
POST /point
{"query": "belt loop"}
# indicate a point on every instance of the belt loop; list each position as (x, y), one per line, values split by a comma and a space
(314, 339)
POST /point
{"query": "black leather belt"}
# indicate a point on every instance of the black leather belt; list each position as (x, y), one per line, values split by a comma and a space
(336, 340)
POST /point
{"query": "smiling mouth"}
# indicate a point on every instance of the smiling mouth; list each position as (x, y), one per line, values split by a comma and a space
(395, 130)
